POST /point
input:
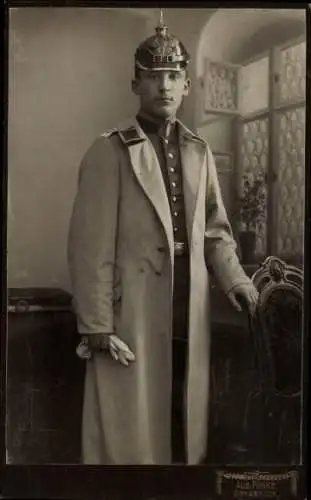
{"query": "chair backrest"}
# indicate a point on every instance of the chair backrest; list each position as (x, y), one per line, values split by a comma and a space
(277, 326)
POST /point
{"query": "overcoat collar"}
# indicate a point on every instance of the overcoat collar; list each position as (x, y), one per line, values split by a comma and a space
(146, 167)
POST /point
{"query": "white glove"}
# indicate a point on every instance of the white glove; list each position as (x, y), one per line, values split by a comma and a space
(118, 349)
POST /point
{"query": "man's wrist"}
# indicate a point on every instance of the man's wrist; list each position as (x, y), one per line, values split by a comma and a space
(98, 341)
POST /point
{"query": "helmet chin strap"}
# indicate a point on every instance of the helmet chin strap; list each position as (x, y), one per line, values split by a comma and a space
(169, 68)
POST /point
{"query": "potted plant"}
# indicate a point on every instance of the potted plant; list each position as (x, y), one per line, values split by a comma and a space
(251, 212)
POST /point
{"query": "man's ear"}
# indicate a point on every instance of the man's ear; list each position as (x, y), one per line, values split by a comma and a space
(187, 86)
(136, 87)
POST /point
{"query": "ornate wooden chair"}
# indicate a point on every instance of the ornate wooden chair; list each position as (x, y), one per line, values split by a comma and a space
(277, 331)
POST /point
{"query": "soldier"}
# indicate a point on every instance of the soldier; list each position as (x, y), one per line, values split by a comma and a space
(147, 229)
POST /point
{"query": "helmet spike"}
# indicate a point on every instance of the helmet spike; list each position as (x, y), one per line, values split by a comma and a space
(161, 23)
(161, 29)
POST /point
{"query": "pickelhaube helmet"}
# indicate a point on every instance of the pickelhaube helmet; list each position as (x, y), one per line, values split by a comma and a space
(161, 51)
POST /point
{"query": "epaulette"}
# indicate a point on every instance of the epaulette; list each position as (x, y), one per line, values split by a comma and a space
(186, 132)
(130, 135)
(198, 138)
(109, 132)
(194, 137)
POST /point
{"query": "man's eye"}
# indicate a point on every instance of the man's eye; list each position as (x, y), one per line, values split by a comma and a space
(175, 76)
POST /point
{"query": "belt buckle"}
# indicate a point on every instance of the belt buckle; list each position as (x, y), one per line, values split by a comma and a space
(179, 248)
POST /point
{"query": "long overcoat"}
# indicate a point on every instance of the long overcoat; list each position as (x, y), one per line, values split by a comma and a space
(120, 254)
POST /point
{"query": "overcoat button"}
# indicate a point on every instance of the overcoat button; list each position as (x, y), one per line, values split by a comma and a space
(161, 249)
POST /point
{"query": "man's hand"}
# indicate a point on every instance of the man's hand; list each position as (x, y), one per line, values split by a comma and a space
(246, 294)
(120, 351)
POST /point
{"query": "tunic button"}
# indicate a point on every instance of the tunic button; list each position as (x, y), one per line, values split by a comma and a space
(170, 155)
(172, 169)
(175, 229)
(174, 184)
(174, 198)
(175, 214)
(166, 141)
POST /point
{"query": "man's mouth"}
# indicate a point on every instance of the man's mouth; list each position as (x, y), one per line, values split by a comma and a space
(165, 100)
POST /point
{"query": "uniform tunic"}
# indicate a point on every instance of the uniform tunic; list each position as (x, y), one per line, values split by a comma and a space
(166, 144)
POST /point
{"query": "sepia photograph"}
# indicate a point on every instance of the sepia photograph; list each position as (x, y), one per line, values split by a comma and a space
(155, 236)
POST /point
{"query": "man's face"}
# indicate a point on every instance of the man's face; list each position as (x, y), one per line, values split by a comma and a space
(161, 92)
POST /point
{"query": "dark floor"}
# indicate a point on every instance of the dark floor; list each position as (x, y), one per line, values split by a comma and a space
(45, 381)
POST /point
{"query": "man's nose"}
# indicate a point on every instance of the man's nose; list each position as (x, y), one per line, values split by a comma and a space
(164, 82)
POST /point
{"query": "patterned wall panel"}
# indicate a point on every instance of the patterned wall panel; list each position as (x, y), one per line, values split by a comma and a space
(254, 164)
(220, 87)
(292, 74)
(290, 182)
(254, 87)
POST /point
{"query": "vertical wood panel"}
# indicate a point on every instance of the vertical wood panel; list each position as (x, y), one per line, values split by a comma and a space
(44, 389)
(272, 161)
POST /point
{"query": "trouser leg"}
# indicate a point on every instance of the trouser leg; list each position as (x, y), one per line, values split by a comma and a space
(180, 352)
(178, 429)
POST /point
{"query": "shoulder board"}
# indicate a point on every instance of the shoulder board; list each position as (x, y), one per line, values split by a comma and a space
(130, 135)
(198, 138)
(109, 132)
(194, 137)
(191, 135)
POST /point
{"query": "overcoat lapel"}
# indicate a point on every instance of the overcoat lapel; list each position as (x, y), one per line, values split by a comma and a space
(148, 172)
(192, 152)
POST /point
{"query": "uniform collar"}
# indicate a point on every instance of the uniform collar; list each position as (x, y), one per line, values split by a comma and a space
(131, 132)
(153, 125)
